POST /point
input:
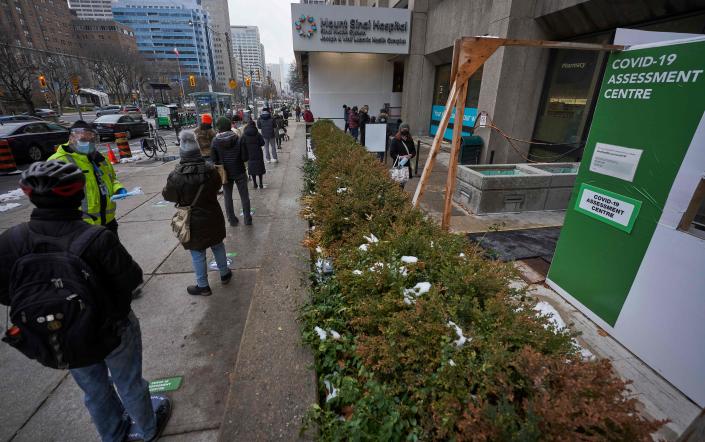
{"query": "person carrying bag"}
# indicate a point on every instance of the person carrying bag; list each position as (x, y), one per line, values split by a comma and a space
(199, 223)
(402, 150)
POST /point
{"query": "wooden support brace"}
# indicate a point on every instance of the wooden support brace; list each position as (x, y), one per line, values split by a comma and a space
(455, 150)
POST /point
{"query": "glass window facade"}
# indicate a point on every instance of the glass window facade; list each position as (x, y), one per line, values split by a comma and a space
(441, 89)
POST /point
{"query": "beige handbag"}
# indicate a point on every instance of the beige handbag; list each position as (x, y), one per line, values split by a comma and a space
(181, 221)
(223, 174)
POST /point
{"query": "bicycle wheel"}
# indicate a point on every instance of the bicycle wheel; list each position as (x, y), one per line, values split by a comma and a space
(147, 147)
(161, 144)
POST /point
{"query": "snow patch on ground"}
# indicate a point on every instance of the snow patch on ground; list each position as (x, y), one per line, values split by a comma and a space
(12, 195)
(462, 339)
(322, 334)
(409, 259)
(8, 206)
(372, 238)
(363, 247)
(419, 289)
(546, 309)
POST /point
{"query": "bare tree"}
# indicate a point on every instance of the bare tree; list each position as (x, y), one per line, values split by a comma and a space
(117, 69)
(58, 70)
(296, 84)
(18, 75)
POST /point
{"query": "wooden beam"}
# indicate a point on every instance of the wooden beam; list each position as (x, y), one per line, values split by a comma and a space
(548, 44)
(435, 147)
(453, 163)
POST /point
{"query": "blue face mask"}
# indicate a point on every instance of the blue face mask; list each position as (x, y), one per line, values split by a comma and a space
(85, 147)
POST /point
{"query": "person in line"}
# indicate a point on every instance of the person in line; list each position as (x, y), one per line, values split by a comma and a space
(195, 183)
(204, 135)
(364, 120)
(266, 124)
(101, 181)
(402, 147)
(346, 114)
(252, 141)
(297, 111)
(228, 152)
(354, 123)
(96, 270)
(279, 129)
(383, 116)
(308, 115)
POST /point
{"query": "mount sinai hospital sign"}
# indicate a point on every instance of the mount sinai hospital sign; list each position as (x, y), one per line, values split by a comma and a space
(322, 28)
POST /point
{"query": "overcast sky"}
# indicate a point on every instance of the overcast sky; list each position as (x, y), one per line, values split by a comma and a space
(273, 17)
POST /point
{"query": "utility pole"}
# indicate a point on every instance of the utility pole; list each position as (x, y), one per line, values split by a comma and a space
(181, 84)
(252, 92)
(230, 56)
(242, 73)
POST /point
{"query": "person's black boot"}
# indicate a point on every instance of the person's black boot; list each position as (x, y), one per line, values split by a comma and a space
(248, 221)
(226, 279)
(199, 291)
(234, 222)
(162, 408)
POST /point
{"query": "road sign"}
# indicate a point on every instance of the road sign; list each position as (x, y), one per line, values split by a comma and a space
(76, 84)
(232, 84)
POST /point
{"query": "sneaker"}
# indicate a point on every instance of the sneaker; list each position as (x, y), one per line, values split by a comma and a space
(226, 279)
(162, 408)
(134, 433)
(234, 222)
(199, 291)
(275, 160)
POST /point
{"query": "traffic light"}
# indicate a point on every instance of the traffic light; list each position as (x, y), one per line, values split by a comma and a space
(248, 81)
(192, 80)
(42, 82)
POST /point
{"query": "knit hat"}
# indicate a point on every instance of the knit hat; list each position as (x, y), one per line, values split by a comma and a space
(188, 146)
(206, 119)
(223, 124)
(404, 126)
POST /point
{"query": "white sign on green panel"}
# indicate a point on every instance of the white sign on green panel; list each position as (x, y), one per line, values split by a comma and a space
(619, 211)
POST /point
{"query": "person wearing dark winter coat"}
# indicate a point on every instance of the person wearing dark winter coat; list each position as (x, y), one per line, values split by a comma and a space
(207, 223)
(279, 129)
(56, 189)
(266, 124)
(227, 151)
(364, 120)
(252, 141)
(346, 115)
(204, 135)
(402, 146)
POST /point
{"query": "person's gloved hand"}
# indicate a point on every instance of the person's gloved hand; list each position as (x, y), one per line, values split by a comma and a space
(121, 191)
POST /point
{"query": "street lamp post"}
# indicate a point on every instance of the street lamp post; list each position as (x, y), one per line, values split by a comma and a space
(181, 84)
(242, 74)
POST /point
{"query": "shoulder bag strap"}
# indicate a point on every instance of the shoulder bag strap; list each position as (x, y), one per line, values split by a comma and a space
(200, 188)
(81, 243)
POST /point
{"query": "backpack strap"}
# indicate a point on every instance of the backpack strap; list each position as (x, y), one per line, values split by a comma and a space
(81, 243)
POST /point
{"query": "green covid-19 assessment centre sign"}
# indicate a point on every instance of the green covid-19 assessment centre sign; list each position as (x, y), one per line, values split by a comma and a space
(649, 107)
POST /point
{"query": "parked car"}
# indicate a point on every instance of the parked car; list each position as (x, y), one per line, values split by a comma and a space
(130, 110)
(32, 141)
(17, 118)
(44, 114)
(108, 125)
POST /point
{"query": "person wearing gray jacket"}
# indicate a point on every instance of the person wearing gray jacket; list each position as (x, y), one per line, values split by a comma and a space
(265, 123)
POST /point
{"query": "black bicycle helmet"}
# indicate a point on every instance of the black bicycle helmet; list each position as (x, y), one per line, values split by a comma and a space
(53, 180)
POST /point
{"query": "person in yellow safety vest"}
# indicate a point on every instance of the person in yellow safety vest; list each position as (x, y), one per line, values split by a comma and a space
(101, 182)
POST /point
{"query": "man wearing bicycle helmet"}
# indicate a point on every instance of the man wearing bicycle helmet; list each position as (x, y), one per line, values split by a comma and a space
(101, 182)
(37, 262)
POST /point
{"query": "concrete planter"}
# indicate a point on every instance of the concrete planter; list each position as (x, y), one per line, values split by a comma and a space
(497, 188)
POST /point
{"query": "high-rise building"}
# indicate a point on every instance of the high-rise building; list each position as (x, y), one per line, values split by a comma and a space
(164, 27)
(92, 9)
(110, 32)
(45, 26)
(246, 41)
(220, 28)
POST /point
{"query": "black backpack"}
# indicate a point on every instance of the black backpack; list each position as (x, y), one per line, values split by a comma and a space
(56, 319)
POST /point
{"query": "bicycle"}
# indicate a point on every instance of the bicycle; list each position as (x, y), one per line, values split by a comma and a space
(153, 143)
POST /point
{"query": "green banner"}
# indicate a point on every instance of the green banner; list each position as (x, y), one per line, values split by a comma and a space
(650, 103)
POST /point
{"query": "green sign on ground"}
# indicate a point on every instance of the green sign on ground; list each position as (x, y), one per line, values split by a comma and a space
(166, 384)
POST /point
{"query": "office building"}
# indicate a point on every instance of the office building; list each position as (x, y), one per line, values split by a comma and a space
(44, 26)
(246, 41)
(162, 28)
(92, 9)
(220, 27)
(88, 32)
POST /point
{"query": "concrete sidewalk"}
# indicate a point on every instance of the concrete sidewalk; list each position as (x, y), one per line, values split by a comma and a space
(245, 375)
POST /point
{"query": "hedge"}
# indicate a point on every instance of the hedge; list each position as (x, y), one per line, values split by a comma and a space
(417, 336)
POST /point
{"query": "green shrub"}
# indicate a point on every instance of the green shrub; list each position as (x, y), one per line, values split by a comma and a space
(398, 369)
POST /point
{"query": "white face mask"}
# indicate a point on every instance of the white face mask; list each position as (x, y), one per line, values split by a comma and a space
(85, 147)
